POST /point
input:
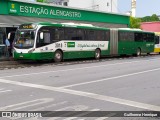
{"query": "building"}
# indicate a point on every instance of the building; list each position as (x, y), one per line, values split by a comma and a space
(56, 2)
(99, 5)
(15, 12)
(151, 26)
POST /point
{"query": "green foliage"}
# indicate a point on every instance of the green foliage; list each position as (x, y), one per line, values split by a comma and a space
(135, 22)
(154, 17)
(39, 0)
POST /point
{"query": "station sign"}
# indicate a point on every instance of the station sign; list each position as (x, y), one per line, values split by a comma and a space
(48, 11)
(13, 8)
(42, 11)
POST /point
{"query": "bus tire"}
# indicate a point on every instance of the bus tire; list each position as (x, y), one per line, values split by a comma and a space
(138, 52)
(58, 56)
(97, 54)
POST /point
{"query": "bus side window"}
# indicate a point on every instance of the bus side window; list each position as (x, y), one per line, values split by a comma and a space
(145, 37)
(70, 33)
(138, 37)
(40, 41)
(107, 37)
(131, 36)
(58, 34)
(74, 34)
(80, 34)
(90, 34)
(123, 36)
(100, 35)
(150, 37)
(46, 37)
(1, 38)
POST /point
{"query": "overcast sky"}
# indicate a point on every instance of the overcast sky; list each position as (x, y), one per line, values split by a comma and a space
(144, 7)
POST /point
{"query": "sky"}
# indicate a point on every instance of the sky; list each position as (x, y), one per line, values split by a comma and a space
(144, 7)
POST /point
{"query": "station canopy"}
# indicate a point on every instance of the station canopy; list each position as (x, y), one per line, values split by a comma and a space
(15, 12)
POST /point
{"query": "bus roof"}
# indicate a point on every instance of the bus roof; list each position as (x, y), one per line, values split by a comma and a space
(83, 25)
(133, 29)
(130, 29)
(77, 25)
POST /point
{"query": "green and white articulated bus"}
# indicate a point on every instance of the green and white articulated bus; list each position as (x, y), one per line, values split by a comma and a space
(45, 41)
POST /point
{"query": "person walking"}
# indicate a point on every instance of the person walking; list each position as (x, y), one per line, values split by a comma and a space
(8, 47)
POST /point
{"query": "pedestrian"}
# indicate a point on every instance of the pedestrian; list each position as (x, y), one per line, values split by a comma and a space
(8, 47)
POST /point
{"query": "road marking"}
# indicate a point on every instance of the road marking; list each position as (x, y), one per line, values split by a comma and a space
(26, 104)
(111, 78)
(74, 108)
(102, 118)
(5, 91)
(82, 114)
(71, 108)
(48, 106)
(85, 94)
(90, 67)
(43, 108)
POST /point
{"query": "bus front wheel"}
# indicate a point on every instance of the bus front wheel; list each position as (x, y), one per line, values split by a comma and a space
(97, 54)
(58, 56)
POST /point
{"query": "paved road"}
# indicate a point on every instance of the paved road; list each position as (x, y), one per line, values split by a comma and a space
(122, 84)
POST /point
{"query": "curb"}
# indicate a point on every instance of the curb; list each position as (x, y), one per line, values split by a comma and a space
(6, 59)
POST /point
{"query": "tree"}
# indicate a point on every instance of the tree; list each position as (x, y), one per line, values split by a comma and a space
(39, 0)
(154, 17)
(146, 19)
(135, 22)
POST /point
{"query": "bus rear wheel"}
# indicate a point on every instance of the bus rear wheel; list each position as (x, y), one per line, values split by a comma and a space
(58, 56)
(97, 54)
(138, 52)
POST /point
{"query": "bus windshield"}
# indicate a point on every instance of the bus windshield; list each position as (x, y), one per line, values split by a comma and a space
(24, 39)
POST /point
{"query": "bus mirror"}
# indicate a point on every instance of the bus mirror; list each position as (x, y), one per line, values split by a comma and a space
(41, 35)
(9, 35)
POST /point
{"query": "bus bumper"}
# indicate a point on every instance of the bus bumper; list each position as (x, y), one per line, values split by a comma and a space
(33, 56)
(156, 50)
